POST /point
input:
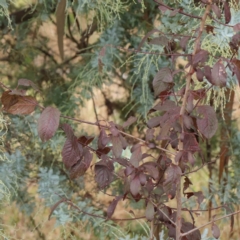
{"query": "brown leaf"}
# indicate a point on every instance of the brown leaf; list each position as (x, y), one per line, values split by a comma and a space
(60, 17)
(48, 123)
(199, 74)
(186, 183)
(116, 146)
(16, 104)
(85, 140)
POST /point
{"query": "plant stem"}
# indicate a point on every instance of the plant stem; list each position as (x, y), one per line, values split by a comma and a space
(182, 112)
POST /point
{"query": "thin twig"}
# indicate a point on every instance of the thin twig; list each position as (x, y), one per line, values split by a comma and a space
(214, 220)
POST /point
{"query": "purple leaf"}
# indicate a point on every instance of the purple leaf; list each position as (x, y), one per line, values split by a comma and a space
(227, 12)
(187, 121)
(48, 123)
(151, 169)
(150, 134)
(200, 196)
(208, 73)
(154, 122)
(129, 122)
(219, 75)
(104, 173)
(142, 178)
(200, 56)
(116, 146)
(135, 185)
(71, 152)
(183, 42)
(199, 74)
(161, 80)
(216, 10)
(82, 165)
(85, 140)
(215, 231)
(112, 206)
(136, 157)
(186, 227)
(26, 82)
(236, 27)
(149, 213)
(103, 139)
(187, 183)
(236, 68)
(208, 124)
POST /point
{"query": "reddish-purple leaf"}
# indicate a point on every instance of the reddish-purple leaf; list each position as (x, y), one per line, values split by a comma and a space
(149, 213)
(85, 140)
(161, 80)
(199, 196)
(199, 74)
(208, 73)
(16, 104)
(165, 106)
(227, 12)
(235, 41)
(19, 92)
(102, 52)
(135, 185)
(174, 139)
(200, 56)
(187, 183)
(215, 231)
(27, 83)
(187, 121)
(113, 129)
(142, 178)
(216, 10)
(219, 75)
(162, 41)
(154, 122)
(172, 174)
(129, 122)
(146, 37)
(236, 68)
(71, 152)
(190, 142)
(183, 42)
(191, 158)
(68, 131)
(123, 141)
(178, 156)
(236, 27)
(208, 124)
(174, 12)
(48, 123)
(82, 165)
(103, 151)
(128, 170)
(186, 227)
(112, 206)
(150, 134)
(103, 139)
(136, 157)
(116, 146)
(104, 173)
(163, 9)
(151, 169)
